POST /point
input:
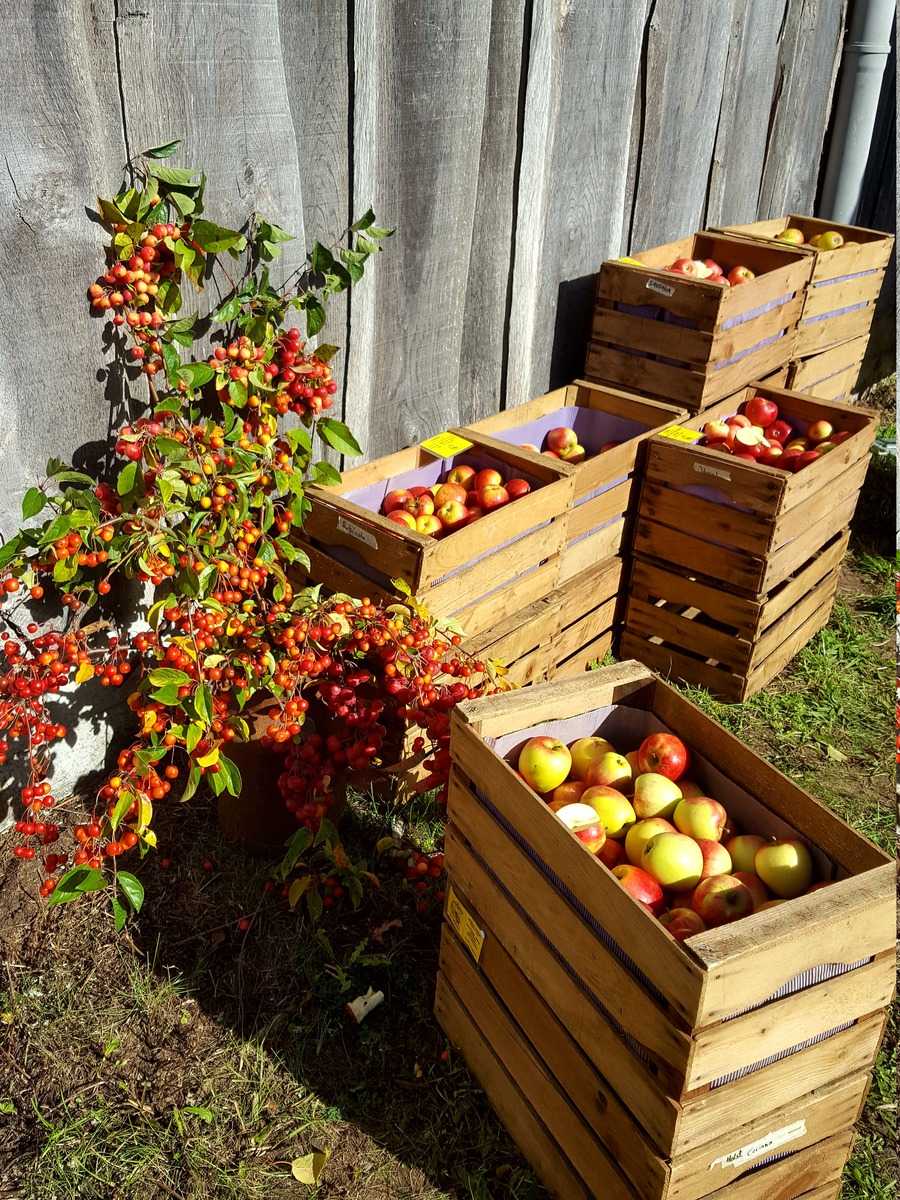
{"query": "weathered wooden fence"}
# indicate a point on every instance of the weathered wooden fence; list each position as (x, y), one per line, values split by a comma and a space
(513, 143)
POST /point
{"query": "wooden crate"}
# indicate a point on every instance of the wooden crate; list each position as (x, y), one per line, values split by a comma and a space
(478, 575)
(691, 341)
(619, 1058)
(844, 285)
(603, 482)
(832, 374)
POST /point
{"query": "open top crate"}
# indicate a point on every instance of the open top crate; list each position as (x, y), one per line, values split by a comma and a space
(831, 374)
(689, 340)
(466, 574)
(844, 285)
(603, 481)
(677, 1059)
(744, 524)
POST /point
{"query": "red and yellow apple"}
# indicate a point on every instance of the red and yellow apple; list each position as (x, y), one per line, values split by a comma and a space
(401, 517)
(611, 770)
(611, 853)
(721, 899)
(682, 923)
(674, 860)
(544, 763)
(663, 754)
(785, 867)
(464, 475)
(701, 817)
(655, 795)
(492, 497)
(581, 820)
(740, 274)
(452, 515)
(399, 498)
(640, 834)
(586, 751)
(743, 850)
(560, 439)
(755, 886)
(429, 524)
(640, 885)
(612, 809)
(716, 859)
(568, 792)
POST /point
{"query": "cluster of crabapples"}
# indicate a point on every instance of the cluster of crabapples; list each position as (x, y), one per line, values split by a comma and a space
(303, 383)
(425, 874)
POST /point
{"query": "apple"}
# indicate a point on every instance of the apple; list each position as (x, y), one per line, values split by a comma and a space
(641, 833)
(820, 431)
(738, 421)
(682, 923)
(420, 490)
(714, 269)
(529, 446)
(561, 438)
(761, 411)
(421, 506)
(685, 266)
(452, 514)
(612, 770)
(611, 853)
(740, 274)
(401, 517)
(572, 454)
(493, 497)
(716, 859)
(568, 792)
(673, 860)
(792, 236)
(805, 459)
(394, 500)
(464, 475)
(544, 763)
(581, 820)
(785, 867)
(473, 512)
(721, 899)
(518, 487)
(664, 754)
(448, 492)
(640, 885)
(743, 850)
(655, 795)
(837, 438)
(429, 525)
(588, 750)
(612, 808)
(824, 447)
(797, 443)
(689, 789)
(755, 886)
(550, 453)
(700, 817)
(770, 455)
(487, 478)
(717, 430)
(830, 240)
(779, 431)
(749, 439)
(786, 461)
(631, 759)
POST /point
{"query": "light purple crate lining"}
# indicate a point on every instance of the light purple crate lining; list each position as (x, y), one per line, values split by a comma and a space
(593, 426)
(835, 312)
(769, 341)
(744, 317)
(821, 283)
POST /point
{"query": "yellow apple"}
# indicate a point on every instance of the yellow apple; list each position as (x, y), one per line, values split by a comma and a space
(701, 817)
(610, 770)
(613, 809)
(674, 860)
(655, 795)
(641, 833)
(743, 850)
(785, 867)
(544, 762)
(588, 750)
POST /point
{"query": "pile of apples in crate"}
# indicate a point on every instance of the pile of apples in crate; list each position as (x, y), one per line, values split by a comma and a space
(711, 271)
(829, 240)
(462, 497)
(760, 434)
(563, 443)
(671, 847)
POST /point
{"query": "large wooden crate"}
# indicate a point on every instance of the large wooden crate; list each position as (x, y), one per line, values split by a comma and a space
(844, 285)
(478, 575)
(832, 374)
(688, 340)
(604, 491)
(625, 1063)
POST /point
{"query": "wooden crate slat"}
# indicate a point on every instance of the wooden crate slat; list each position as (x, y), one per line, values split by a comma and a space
(720, 523)
(807, 1169)
(815, 336)
(587, 552)
(807, 373)
(788, 558)
(651, 580)
(649, 621)
(494, 608)
(828, 298)
(599, 510)
(671, 663)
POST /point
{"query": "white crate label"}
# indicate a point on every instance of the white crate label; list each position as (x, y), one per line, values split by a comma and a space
(656, 285)
(469, 934)
(357, 531)
(703, 469)
(764, 1145)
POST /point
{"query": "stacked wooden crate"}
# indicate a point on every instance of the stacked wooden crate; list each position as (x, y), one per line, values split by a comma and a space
(839, 304)
(625, 1064)
(735, 564)
(690, 340)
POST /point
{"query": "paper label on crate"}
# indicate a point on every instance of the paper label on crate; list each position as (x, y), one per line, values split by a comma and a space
(469, 934)
(719, 472)
(764, 1145)
(677, 433)
(357, 531)
(445, 445)
(657, 285)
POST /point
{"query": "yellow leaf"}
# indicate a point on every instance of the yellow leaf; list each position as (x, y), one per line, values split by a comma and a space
(339, 856)
(145, 812)
(296, 890)
(309, 1167)
(84, 673)
(148, 837)
(209, 760)
(385, 843)
(148, 721)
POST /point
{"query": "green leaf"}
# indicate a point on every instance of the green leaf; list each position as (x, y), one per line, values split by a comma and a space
(291, 553)
(314, 904)
(165, 151)
(194, 734)
(354, 264)
(230, 774)
(32, 502)
(367, 219)
(75, 883)
(73, 477)
(192, 784)
(54, 466)
(379, 232)
(163, 675)
(197, 1110)
(168, 297)
(168, 448)
(237, 393)
(325, 353)
(228, 311)
(298, 437)
(131, 888)
(166, 695)
(110, 212)
(127, 479)
(315, 315)
(171, 404)
(10, 549)
(57, 527)
(172, 359)
(338, 436)
(123, 803)
(203, 705)
(321, 258)
(179, 177)
(183, 203)
(65, 569)
(215, 237)
(274, 233)
(195, 375)
(326, 474)
(120, 916)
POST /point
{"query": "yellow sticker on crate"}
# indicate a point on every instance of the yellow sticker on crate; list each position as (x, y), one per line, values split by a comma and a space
(469, 934)
(445, 445)
(678, 434)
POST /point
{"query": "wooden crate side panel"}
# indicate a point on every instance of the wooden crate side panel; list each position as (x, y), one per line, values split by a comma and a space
(496, 607)
(820, 335)
(744, 485)
(578, 557)
(651, 581)
(585, 657)
(793, 1177)
(720, 523)
(803, 509)
(839, 386)
(828, 298)
(670, 546)
(591, 514)
(782, 563)
(820, 595)
(806, 372)
(688, 633)
(789, 648)
(672, 664)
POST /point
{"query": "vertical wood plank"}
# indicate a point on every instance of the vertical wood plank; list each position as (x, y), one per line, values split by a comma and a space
(582, 75)
(419, 101)
(62, 144)
(686, 55)
(743, 127)
(807, 67)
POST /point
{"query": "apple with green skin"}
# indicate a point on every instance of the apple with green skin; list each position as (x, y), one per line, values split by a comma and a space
(612, 808)
(401, 517)
(830, 240)
(820, 431)
(824, 447)
(560, 439)
(743, 850)
(682, 923)
(611, 770)
(517, 487)
(663, 754)
(640, 885)
(716, 859)
(674, 860)
(429, 525)
(568, 792)
(785, 867)
(655, 795)
(791, 235)
(572, 454)
(640, 834)
(611, 853)
(755, 886)
(586, 751)
(581, 820)
(544, 763)
(701, 817)
(721, 899)
(452, 515)
(464, 475)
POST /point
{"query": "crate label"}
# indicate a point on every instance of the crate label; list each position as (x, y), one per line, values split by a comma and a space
(469, 934)
(657, 285)
(704, 469)
(677, 433)
(445, 445)
(357, 531)
(764, 1145)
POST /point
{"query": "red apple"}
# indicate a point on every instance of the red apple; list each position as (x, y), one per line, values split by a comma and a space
(757, 888)
(610, 770)
(640, 885)
(421, 506)
(473, 513)
(394, 500)
(719, 444)
(689, 266)
(453, 514)
(561, 438)
(738, 421)
(464, 475)
(422, 491)
(663, 754)
(682, 923)
(717, 430)
(551, 453)
(544, 763)
(837, 438)
(450, 491)
(760, 410)
(493, 497)
(716, 859)
(429, 525)
(820, 431)
(779, 431)
(581, 820)
(487, 478)
(740, 274)
(714, 268)
(611, 853)
(804, 459)
(770, 455)
(518, 487)
(401, 517)
(721, 899)
(568, 792)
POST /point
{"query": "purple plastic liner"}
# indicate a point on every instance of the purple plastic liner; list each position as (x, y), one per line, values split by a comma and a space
(594, 428)
(835, 312)
(726, 362)
(843, 278)
(373, 494)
